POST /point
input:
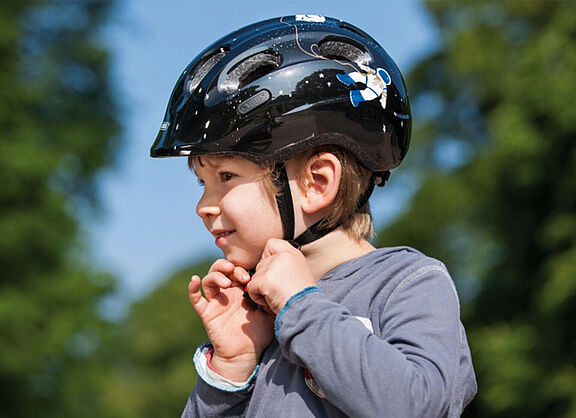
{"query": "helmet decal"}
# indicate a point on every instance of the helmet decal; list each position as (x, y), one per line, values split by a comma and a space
(313, 53)
(376, 83)
(310, 18)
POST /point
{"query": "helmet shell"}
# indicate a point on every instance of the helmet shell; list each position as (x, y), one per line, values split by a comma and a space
(278, 87)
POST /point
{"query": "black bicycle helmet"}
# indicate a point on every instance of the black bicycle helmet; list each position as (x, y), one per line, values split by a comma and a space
(278, 87)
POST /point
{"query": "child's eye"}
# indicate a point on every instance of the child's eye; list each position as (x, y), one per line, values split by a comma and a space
(201, 182)
(226, 176)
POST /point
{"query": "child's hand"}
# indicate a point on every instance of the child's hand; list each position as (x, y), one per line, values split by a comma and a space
(238, 331)
(282, 272)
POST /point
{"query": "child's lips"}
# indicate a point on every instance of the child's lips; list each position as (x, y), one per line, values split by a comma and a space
(221, 235)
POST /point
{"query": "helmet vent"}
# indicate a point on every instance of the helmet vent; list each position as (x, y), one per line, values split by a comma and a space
(340, 50)
(197, 76)
(250, 69)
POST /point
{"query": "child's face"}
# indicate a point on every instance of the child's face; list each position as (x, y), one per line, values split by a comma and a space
(237, 208)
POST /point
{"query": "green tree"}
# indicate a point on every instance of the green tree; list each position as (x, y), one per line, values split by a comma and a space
(495, 157)
(57, 127)
(153, 351)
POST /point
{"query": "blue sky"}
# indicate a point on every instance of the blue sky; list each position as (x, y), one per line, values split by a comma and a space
(149, 227)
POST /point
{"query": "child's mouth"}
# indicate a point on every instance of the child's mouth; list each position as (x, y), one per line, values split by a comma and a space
(221, 235)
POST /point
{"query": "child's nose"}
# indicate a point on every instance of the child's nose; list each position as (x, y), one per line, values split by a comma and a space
(206, 207)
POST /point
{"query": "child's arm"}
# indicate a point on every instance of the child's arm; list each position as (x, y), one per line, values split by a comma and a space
(410, 367)
(238, 334)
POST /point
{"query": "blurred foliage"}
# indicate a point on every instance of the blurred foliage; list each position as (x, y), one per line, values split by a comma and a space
(152, 359)
(57, 129)
(495, 155)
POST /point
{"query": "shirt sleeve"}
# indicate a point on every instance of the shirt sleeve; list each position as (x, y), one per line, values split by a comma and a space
(409, 369)
(214, 395)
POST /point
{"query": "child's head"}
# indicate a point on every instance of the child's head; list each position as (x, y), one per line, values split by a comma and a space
(343, 210)
(284, 89)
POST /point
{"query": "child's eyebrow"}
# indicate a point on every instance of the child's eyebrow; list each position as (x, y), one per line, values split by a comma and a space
(214, 163)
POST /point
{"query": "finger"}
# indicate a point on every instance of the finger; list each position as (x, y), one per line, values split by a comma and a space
(213, 282)
(275, 246)
(253, 291)
(267, 309)
(259, 303)
(196, 299)
(241, 275)
(223, 266)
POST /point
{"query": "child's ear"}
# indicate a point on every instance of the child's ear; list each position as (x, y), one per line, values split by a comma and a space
(321, 181)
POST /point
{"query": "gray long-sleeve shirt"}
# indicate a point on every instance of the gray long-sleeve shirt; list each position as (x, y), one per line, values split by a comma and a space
(380, 336)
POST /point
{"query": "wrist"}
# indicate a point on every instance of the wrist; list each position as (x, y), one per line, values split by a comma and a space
(213, 378)
(238, 368)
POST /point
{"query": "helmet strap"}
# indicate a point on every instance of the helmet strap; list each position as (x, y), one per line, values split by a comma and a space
(378, 178)
(311, 234)
(284, 201)
(314, 232)
(286, 209)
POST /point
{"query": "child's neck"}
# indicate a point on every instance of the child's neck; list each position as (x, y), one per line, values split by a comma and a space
(332, 250)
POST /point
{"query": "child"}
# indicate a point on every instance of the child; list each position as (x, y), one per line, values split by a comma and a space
(305, 317)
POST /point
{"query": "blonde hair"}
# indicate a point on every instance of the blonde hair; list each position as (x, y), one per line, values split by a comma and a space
(354, 181)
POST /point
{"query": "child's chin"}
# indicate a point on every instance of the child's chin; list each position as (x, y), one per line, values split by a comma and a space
(243, 262)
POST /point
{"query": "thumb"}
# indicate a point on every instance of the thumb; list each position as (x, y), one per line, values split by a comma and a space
(275, 246)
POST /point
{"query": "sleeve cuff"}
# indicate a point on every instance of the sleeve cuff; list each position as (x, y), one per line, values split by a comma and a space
(214, 379)
(293, 298)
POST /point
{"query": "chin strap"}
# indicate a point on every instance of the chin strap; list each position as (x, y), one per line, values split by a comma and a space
(284, 201)
(314, 232)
